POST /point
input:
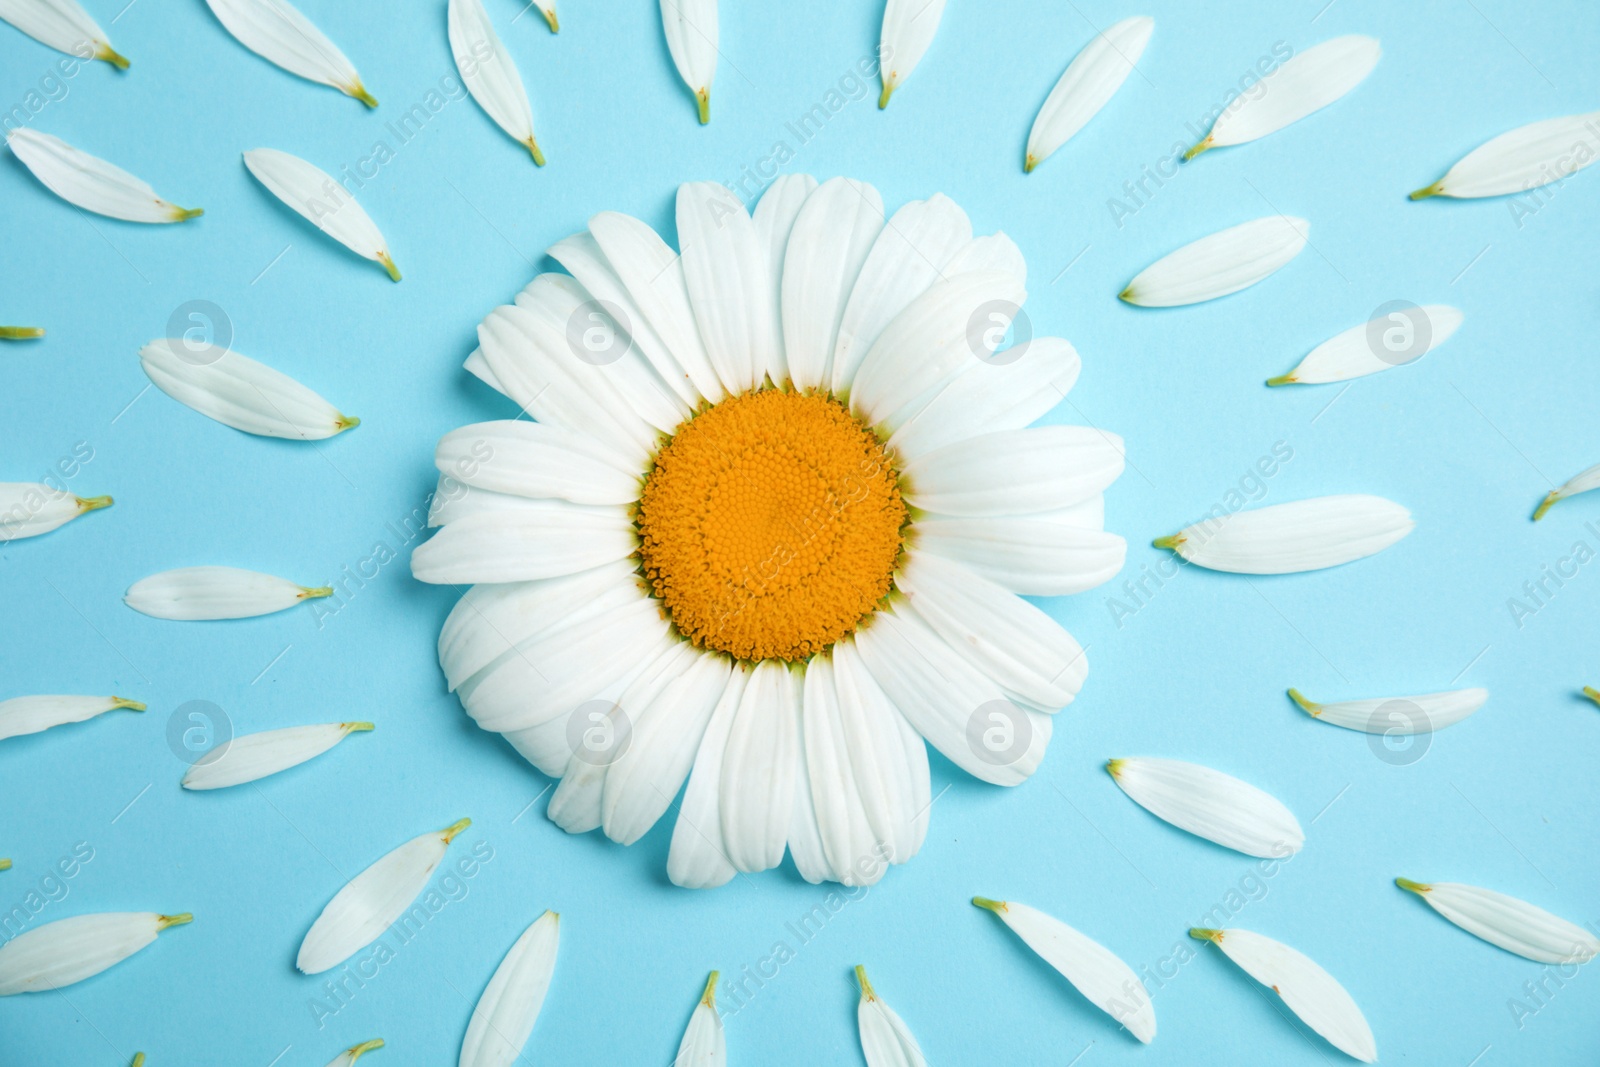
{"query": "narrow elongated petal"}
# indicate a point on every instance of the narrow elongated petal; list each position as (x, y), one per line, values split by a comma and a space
(90, 182)
(504, 1017)
(1305, 535)
(191, 593)
(759, 766)
(832, 236)
(350, 1055)
(774, 219)
(1581, 482)
(1094, 970)
(886, 1041)
(277, 32)
(28, 509)
(704, 1044)
(255, 756)
(1397, 715)
(691, 30)
(1512, 924)
(373, 900)
(1015, 472)
(1391, 340)
(698, 858)
(908, 29)
(63, 25)
(239, 392)
(538, 539)
(314, 194)
(1210, 804)
(29, 715)
(490, 74)
(547, 8)
(69, 950)
(1032, 555)
(1091, 80)
(1522, 159)
(1308, 82)
(1306, 989)
(1226, 262)
(729, 283)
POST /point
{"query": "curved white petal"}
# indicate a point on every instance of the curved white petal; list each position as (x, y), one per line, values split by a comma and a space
(886, 1041)
(1210, 804)
(60, 953)
(774, 219)
(846, 837)
(255, 756)
(313, 194)
(832, 236)
(191, 593)
(1582, 482)
(908, 29)
(1094, 970)
(1032, 555)
(29, 715)
(1307, 990)
(490, 74)
(1091, 80)
(505, 1015)
(728, 276)
(28, 509)
(1512, 924)
(805, 829)
(889, 758)
(758, 769)
(704, 1044)
(277, 32)
(698, 859)
(237, 391)
(532, 459)
(992, 251)
(1306, 83)
(1393, 340)
(1304, 535)
(1522, 159)
(63, 25)
(1015, 472)
(691, 31)
(360, 912)
(1398, 715)
(90, 182)
(543, 539)
(1223, 263)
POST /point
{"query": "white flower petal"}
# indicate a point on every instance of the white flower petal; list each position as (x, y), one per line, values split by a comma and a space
(886, 1041)
(691, 30)
(191, 593)
(697, 859)
(805, 830)
(547, 8)
(1397, 715)
(349, 1056)
(993, 251)
(372, 900)
(908, 29)
(532, 459)
(1581, 482)
(329, 206)
(1223, 263)
(1032, 555)
(1015, 472)
(1522, 159)
(1307, 990)
(849, 847)
(1095, 971)
(542, 539)
(490, 74)
(277, 32)
(478, 367)
(1512, 924)
(889, 758)
(704, 1044)
(727, 274)
(1304, 535)
(1392, 340)
(60, 953)
(832, 236)
(774, 218)
(28, 509)
(1091, 80)
(90, 182)
(758, 769)
(505, 1015)
(63, 25)
(255, 756)
(237, 391)
(1210, 804)
(29, 715)
(1305, 83)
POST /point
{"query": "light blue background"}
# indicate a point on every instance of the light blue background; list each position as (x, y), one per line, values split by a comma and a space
(1469, 439)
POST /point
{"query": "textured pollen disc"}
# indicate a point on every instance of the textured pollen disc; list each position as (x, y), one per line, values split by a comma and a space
(770, 525)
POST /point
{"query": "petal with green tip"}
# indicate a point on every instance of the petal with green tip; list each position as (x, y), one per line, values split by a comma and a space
(237, 391)
(63, 25)
(30, 715)
(489, 73)
(691, 30)
(89, 182)
(1582, 482)
(1303, 535)
(277, 32)
(255, 756)
(1091, 80)
(1212, 805)
(505, 1015)
(886, 1041)
(1393, 340)
(1397, 715)
(60, 953)
(314, 194)
(350, 1055)
(1522, 159)
(1303, 84)
(1512, 924)
(908, 29)
(200, 593)
(28, 509)
(704, 1044)
(1221, 263)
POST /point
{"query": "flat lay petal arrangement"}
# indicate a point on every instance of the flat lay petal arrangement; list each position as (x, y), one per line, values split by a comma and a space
(790, 508)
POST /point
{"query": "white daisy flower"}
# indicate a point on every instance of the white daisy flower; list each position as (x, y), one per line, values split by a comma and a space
(503, 1020)
(1304, 535)
(908, 29)
(21, 333)
(63, 25)
(255, 756)
(691, 30)
(1522, 159)
(30, 715)
(28, 509)
(276, 31)
(60, 953)
(1091, 80)
(1397, 715)
(203, 593)
(886, 1041)
(1210, 804)
(768, 533)
(1582, 482)
(355, 1052)
(90, 182)
(1512, 924)
(704, 1044)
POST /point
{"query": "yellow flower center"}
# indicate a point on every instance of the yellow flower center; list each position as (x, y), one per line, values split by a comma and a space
(770, 525)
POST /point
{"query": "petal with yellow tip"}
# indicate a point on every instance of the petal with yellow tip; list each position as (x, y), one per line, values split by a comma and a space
(255, 756)
(886, 1040)
(237, 391)
(1091, 80)
(276, 31)
(204, 593)
(28, 509)
(704, 1044)
(506, 1013)
(1512, 924)
(1397, 715)
(489, 73)
(63, 25)
(1524, 158)
(314, 194)
(1392, 340)
(30, 715)
(1210, 804)
(691, 30)
(60, 953)
(908, 29)
(1582, 482)
(91, 183)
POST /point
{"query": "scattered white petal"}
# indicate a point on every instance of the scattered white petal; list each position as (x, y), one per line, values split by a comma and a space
(691, 30)
(1223, 263)
(63, 25)
(1523, 159)
(1306, 83)
(355, 1052)
(886, 1041)
(1091, 80)
(1304, 535)
(704, 1044)
(237, 391)
(192, 593)
(1094, 970)
(1395, 339)
(277, 32)
(28, 509)
(1397, 715)
(908, 29)
(1210, 804)
(547, 8)
(490, 74)
(69, 950)
(90, 182)
(1307, 990)
(373, 900)
(314, 194)
(1581, 482)
(1512, 924)
(509, 1007)
(255, 756)
(29, 715)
